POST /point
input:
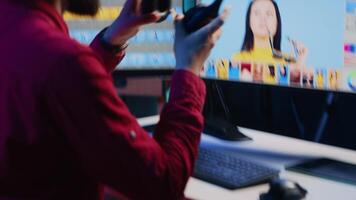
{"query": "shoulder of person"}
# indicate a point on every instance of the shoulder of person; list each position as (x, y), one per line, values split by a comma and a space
(71, 58)
(68, 52)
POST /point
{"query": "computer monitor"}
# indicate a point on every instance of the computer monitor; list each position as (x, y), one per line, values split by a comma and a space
(149, 52)
(294, 45)
(303, 44)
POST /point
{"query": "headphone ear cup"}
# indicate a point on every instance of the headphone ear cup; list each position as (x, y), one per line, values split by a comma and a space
(148, 6)
(164, 5)
(192, 23)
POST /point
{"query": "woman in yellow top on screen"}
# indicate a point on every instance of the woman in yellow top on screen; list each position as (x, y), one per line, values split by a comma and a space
(262, 41)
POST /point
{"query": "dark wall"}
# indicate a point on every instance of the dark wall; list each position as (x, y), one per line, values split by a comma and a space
(270, 109)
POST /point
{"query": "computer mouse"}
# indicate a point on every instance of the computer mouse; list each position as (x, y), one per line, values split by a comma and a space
(281, 189)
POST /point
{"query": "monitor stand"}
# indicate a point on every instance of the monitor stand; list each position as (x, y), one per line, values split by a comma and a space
(217, 124)
(222, 129)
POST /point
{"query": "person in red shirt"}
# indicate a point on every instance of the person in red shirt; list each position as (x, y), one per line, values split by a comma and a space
(64, 132)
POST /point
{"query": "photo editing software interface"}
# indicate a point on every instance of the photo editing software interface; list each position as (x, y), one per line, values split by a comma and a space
(306, 44)
(151, 48)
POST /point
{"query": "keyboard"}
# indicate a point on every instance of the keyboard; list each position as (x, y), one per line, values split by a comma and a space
(230, 171)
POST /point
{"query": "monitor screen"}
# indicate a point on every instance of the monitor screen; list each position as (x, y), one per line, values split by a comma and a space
(150, 49)
(305, 44)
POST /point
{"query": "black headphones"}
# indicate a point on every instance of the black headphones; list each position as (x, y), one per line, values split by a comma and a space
(195, 17)
(163, 6)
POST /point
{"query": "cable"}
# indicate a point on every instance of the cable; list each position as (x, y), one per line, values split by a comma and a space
(222, 101)
(300, 124)
(330, 102)
(325, 117)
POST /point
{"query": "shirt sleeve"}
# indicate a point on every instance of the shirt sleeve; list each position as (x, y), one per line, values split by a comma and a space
(108, 59)
(110, 144)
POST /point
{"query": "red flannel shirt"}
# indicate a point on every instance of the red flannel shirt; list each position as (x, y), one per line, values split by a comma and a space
(64, 132)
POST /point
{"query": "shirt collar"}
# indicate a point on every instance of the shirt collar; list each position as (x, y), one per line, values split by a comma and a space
(52, 14)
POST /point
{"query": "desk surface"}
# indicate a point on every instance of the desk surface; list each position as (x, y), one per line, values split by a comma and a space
(280, 151)
(268, 147)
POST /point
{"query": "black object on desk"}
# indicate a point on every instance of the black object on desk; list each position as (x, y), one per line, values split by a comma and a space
(230, 171)
(281, 189)
(218, 122)
(328, 169)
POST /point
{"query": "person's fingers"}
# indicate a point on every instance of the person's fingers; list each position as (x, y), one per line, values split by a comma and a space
(214, 25)
(135, 6)
(178, 18)
(212, 39)
(225, 13)
(147, 19)
(173, 13)
(216, 35)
